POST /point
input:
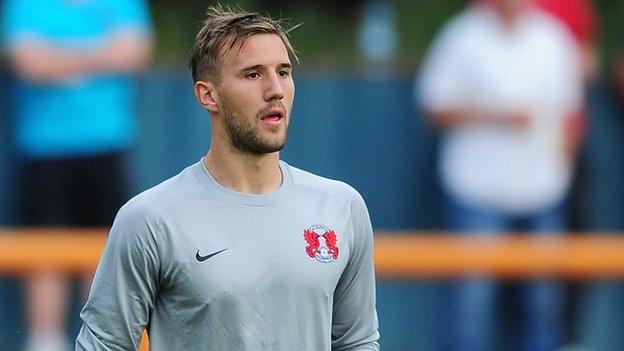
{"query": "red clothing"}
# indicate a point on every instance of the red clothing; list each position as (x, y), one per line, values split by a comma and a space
(579, 17)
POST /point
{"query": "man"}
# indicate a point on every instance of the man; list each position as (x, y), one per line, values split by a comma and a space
(73, 121)
(502, 82)
(240, 251)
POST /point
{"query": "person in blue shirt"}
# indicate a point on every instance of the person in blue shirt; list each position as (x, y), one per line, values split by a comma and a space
(73, 119)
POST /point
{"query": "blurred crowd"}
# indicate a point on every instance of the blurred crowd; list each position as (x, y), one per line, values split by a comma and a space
(505, 85)
(73, 118)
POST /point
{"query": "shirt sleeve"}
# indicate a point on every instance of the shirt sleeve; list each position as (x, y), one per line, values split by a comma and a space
(131, 14)
(441, 84)
(354, 324)
(16, 22)
(124, 288)
(567, 90)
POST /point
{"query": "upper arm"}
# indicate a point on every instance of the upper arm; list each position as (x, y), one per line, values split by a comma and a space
(131, 15)
(16, 23)
(125, 286)
(441, 82)
(354, 321)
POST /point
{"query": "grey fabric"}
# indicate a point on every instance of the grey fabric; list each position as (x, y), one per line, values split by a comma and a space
(267, 290)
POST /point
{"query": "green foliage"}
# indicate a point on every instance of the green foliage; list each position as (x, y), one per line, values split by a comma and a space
(176, 24)
(327, 35)
(611, 16)
(322, 35)
(418, 22)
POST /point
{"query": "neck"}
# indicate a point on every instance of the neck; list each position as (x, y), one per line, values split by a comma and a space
(509, 20)
(244, 173)
(508, 17)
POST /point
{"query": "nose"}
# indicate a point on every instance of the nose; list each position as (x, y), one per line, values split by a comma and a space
(274, 89)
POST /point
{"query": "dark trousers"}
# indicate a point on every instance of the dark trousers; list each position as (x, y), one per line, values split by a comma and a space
(85, 191)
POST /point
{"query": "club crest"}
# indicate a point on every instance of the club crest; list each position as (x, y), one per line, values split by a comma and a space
(322, 243)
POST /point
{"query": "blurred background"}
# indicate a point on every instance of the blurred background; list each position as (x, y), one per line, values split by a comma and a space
(357, 118)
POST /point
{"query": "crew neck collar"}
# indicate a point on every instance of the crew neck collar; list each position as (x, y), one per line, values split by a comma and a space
(245, 199)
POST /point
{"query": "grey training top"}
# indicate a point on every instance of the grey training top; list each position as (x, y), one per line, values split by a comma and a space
(205, 268)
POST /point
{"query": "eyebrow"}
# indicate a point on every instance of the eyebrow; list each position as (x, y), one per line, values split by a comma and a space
(258, 66)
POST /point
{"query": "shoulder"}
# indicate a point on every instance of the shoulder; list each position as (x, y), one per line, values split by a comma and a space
(17, 16)
(460, 31)
(467, 22)
(471, 17)
(548, 24)
(152, 204)
(130, 12)
(310, 184)
(551, 35)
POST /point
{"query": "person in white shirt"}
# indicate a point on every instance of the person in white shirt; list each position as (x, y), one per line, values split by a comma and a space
(500, 83)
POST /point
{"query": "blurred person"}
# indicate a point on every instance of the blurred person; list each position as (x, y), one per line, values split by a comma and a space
(73, 120)
(501, 82)
(240, 251)
(377, 37)
(581, 20)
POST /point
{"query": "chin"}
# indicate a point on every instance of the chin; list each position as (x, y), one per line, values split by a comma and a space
(271, 148)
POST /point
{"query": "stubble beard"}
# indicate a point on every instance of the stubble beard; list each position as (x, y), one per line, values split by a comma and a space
(245, 139)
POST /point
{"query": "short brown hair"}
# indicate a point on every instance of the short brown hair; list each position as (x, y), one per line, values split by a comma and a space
(225, 28)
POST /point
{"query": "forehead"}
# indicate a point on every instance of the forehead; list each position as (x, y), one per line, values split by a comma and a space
(259, 49)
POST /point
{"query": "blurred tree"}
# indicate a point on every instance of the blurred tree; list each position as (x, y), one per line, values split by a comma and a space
(340, 8)
(328, 34)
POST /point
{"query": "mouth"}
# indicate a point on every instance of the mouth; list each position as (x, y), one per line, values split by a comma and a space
(273, 117)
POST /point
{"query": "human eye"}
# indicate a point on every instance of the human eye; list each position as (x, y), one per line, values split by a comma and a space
(284, 72)
(252, 75)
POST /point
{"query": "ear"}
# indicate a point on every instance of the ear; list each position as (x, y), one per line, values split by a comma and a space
(206, 95)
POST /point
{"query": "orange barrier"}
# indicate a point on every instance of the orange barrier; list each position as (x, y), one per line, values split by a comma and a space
(30, 249)
(397, 254)
(570, 256)
(72, 250)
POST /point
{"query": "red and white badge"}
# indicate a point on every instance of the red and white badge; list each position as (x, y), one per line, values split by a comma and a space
(322, 243)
